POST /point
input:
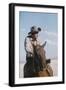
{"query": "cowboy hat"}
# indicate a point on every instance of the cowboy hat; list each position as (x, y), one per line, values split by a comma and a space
(34, 30)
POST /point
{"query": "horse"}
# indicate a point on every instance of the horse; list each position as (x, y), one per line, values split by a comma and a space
(37, 66)
(47, 70)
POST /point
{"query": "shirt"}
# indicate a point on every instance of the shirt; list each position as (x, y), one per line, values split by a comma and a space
(28, 44)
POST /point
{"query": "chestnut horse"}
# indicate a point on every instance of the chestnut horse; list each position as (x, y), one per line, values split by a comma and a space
(47, 70)
(40, 56)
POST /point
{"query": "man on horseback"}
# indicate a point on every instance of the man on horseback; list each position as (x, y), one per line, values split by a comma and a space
(32, 44)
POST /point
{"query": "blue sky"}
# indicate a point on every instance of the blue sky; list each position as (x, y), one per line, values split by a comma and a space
(48, 23)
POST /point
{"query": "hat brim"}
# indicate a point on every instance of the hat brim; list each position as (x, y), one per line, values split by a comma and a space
(35, 32)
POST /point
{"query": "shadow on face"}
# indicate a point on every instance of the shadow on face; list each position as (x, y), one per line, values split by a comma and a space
(34, 36)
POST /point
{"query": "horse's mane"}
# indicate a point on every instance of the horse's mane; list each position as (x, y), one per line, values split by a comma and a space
(41, 53)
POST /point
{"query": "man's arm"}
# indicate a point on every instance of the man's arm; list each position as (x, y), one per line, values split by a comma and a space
(28, 46)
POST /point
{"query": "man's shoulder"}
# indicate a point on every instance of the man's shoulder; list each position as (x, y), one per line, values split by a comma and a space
(28, 39)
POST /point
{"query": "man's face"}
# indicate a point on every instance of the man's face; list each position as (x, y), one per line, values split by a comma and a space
(35, 36)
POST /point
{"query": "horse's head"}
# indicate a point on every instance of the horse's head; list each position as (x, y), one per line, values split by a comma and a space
(41, 53)
(41, 46)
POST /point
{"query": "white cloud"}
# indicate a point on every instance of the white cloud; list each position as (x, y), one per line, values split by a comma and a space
(51, 42)
(51, 33)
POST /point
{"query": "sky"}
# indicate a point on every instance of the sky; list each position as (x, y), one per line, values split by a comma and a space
(49, 25)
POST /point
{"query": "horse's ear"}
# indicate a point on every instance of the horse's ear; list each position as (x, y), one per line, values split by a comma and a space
(44, 44)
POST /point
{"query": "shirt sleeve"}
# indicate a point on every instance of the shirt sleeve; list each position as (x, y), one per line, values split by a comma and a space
(28, 45)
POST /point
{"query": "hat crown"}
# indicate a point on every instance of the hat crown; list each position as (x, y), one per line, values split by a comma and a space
(34, 28)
